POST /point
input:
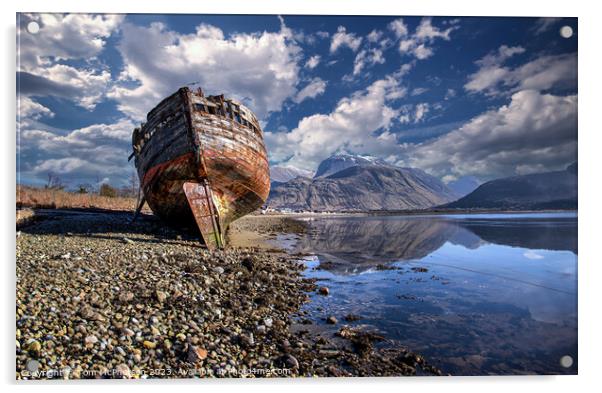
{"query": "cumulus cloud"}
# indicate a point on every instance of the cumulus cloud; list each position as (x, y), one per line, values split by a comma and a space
(63, 37)
(29, 109)
(313, 89)
(534, 132)
(41, 70)
(366, 57)
(494, 78)
(374, 36)
(358, 124)
(79, 155)
(260, 68)
(399, 28)
(419, 44)
(312, 62)
(342, 39)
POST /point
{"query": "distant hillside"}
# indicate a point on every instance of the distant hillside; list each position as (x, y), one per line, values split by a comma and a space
(361, 187)
(549, 190)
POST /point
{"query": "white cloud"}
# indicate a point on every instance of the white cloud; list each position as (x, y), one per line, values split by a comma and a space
(41, 71)
(544, 24)
(313, 89)
(399, 28)
(533, 129)
(29, 109)
(261, 68)
(493, 78)
(418, 91)
(352, 126)
(341, 39)
(419, 44)
(365, 57)
(449, 94)
(312, 62)
(63, 37)
(80, 155)
(374, 36)
(420, 111)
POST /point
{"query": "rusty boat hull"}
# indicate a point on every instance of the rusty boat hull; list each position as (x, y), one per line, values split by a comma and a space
(201, 160)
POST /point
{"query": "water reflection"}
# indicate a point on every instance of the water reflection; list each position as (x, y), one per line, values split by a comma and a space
(494, 293)
(348, 245)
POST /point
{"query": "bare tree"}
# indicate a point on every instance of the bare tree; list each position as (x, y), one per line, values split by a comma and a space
(54, 182)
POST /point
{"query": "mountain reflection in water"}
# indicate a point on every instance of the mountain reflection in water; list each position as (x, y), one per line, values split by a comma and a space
(476, 294)
(348, 245)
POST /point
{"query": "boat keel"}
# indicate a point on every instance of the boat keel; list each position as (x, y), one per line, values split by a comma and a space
(206, 215)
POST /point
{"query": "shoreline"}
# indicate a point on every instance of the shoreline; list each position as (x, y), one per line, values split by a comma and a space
(408, 213)
(100, 297)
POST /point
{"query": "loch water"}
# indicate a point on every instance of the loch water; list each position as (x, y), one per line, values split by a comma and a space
(476, 294)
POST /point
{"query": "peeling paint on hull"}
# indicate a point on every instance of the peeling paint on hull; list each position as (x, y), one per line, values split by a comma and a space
(190, 138)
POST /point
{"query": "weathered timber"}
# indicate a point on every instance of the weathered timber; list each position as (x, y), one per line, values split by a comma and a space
(201, 160)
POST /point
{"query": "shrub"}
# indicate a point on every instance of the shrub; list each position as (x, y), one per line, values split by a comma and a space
(107, 191)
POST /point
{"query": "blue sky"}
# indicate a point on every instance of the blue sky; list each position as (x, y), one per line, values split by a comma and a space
(483, 97)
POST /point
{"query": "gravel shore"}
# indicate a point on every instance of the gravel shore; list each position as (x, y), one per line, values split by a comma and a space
(100, 297)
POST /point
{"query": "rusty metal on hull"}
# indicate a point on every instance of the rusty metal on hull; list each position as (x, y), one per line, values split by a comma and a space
(202, 160)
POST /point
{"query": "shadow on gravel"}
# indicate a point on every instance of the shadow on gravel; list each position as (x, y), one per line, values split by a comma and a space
(106, 224)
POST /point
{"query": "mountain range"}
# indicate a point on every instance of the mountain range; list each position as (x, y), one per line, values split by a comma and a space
(346, 182)
(355, 183)
(548, 190)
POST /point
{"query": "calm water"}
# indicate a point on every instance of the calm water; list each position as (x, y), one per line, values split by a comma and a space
(499, 295)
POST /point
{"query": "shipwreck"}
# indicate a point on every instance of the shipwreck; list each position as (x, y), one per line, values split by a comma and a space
(202, 161)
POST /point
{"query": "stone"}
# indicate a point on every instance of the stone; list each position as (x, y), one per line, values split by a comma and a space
(324, 291)
(34, 346)
(90, 341)
(149, 344)
(196, 354)
(161, 296)
(331, 320)
(123, 371)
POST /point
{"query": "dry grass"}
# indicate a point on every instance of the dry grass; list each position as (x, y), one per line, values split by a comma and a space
(41, 198)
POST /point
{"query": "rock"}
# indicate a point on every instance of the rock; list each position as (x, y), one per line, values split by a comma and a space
(120, 351)
(161, 296)
(268, 322)
(34, 346)
(89, 341)
(324, 291)
(66, 256)
(290, 361)
(352, 317)
(123, 371)
(248, 263)
(218, 270)
(128, 241)
(181, 337)
(149, 344)
(331, 320)
(126, 297)
(196, 354)
(128, 332)
(261, 329)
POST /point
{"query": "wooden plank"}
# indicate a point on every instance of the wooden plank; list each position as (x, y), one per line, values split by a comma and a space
(205, 214)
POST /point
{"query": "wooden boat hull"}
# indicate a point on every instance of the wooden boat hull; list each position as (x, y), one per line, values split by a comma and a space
(202, 160)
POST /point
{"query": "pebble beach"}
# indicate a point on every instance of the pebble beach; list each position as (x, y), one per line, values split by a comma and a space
(101, 297)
